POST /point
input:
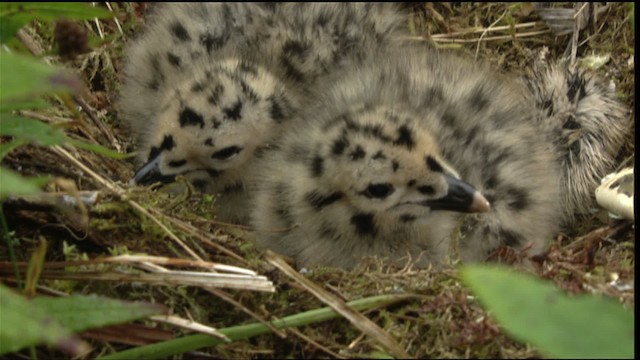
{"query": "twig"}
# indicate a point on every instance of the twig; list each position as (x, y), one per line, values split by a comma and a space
(175, 278)
(201, 235)
(94, 118)
(97, 22)
(484, 33)
(115, 19)
(597, 234)
(33, 46)
(189, 325)
(137, 259)
(226, 297)
(489, 29)
(491, 38)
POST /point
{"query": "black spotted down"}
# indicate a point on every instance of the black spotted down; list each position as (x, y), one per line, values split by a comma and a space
(478, 99)
(177, 163)
(197, 87)
(214, 95)
(510, 238)
(395, 165)
(180, 32)
(358, 153)
(405, 218)
(405, 137)
(234, 112)
(212, 42)
(571, 124)
(188, 117)
(249, 92)
(339, 145)
(575, 85)
(295, 48)
(320, 201)
(433, 164)
(379, 156)
(364, 225)
(317, 166)
(157, 75)
(166, 145)
(291, 70)
(276, 110)
(517, 198)
(174, 59)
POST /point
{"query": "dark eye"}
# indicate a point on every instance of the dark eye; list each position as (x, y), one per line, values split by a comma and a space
(227, 153)
(427, 189)
(378, 191)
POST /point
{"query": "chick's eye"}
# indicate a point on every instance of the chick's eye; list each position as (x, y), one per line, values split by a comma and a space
(378, 191)
(227, 153)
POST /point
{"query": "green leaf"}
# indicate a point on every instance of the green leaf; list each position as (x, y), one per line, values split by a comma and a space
(14, 15)
(23, 77)
(24, 324)
(43, 134)
(32, 130)
(562, 326)
(23, 104)
(6, 148)
(14, 184)
(79, 313)
(51, 321)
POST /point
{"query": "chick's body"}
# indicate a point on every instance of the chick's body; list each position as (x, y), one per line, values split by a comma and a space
(360, 174)
(209, 84)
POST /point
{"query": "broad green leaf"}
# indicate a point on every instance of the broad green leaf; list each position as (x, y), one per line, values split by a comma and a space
(561, 326)
(52, 321)
(23, 104)
(30, 129)
(14, 184)
(14, 15)
(6, 148)
(79, 313)
(23, 77)
(43, 134)
(24, 324)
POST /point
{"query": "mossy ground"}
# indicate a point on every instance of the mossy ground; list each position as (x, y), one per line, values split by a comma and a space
(442, 322)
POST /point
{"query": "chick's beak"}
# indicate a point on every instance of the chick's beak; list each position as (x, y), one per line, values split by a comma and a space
(461, 197)
(150, 173)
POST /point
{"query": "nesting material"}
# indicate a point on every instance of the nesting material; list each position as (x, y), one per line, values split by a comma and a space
(616, 193)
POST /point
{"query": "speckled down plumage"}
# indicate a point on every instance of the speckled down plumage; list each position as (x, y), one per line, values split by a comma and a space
(389, 122)
(586, 123)
(208, 84)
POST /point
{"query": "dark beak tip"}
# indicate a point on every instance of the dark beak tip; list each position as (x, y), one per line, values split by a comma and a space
(149, 173)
